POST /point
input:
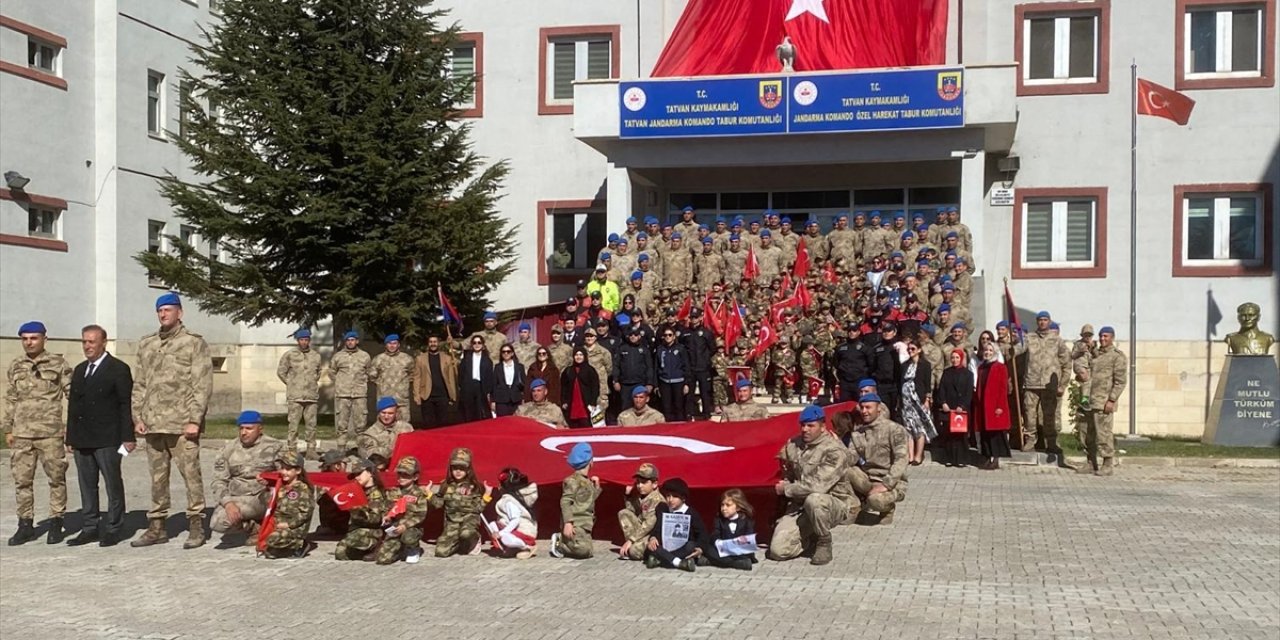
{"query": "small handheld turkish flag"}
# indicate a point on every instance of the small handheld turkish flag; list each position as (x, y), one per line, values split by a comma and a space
(1163, 102)
(349, 496)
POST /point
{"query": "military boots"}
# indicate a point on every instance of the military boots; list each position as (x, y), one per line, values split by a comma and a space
(56, 533)
(1107, 468)
(26, 532)
(155, 534)
(822, 551)
(195, 533)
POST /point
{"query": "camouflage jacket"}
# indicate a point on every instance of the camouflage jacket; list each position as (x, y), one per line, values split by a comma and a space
(561, 354)
(882, 448)
(630, 418)
(578, 501)
(236, 469)
(294, 505)
(740, 411)
(1109, 374)
(462, 502)
(709, 268)
(815, 467)
(393, 374)
(300, 372)
(417, 503)
(645, 508)
(1048, 361)
(174, 380)
(526, 352)
(381, 440)
(369, 516)
(548, 412)
(34, 391)
(350, 372)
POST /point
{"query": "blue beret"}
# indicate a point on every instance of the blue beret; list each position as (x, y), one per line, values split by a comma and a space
(170, 298)
(350, 334)
(959, 325)
(394, 337)
(738, 221)
(605, 255)
(708, 240)
(948, 287)
(639, 389)
(631, 219)
(642, 257)
(1002, 324)
(770, 212)
(537, 382)
(952, 234)
(386, 402)
(650, 220)
(703, 227)
(857, 214)
(924, 226)
(1043, 314)
(905, 235)
(34, 326)
(301, 333)
(950, 209)
(874, 214)
(812, 413)
(642, 235)
(686, 209)
(896, 253)
(623, 319)
(580, 455)
(944, 278)
(638, 275)
(811, 222)
(719, 219)
(866, 382)
(922, 261)
(944, 307)
(489, 315)
(918, 215)
(870, 397)
(961, 260)
(1107, 329)
(942, 209)
(676, 236)
(898, 215)
(248, 417)
(613, 237)
(623, 240)
(952, 253)
(786, 219)
(744, 382)
(764, 233)
(1053, 325)
(929, 329)
(524, 326)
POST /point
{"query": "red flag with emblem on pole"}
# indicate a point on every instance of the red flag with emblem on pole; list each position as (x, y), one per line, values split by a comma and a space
(269, 519)
(686, 307)
(751, 270)
(349, 496)
(801, 268)
(710, 319)
(1163, 102)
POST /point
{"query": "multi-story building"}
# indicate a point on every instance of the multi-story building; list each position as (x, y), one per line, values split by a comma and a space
(1040, 167)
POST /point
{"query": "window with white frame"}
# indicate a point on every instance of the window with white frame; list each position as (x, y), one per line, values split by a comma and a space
(44, 56)
(188, 235)
(1060, 48)
(1223, 42)
(1059, 233)
(1222, 229)
(44, 222)
(579, 58)
(462, 66)
(156, 244)
(184, 115)
(155, 102)
(580, 234)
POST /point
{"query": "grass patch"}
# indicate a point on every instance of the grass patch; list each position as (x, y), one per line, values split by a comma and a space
(1164, 446)
(276, 426)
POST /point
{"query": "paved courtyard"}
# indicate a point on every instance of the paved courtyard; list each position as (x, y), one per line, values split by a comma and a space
(1021, 553)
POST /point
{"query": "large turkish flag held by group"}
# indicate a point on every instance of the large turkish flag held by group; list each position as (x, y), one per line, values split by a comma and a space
(710, 456)
(724, 37)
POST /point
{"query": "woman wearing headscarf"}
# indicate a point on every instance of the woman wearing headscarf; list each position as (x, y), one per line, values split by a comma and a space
(543, 367)
(991, 409)
(579, 390)
(954, 395)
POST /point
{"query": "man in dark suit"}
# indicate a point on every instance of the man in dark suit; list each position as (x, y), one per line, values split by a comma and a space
(99, 423)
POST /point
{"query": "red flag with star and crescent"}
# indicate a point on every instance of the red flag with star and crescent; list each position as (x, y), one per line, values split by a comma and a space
(751, 270)
(349, 496)
(723, 37)
(801, 268)
(1163, 102)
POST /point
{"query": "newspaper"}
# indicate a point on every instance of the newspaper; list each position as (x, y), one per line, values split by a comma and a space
(675, 530)
(739, 546)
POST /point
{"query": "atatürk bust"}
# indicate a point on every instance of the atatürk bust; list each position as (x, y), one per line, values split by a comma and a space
(1249, 340)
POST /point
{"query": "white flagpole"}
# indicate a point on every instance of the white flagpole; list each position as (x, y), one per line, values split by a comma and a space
(1133, 248)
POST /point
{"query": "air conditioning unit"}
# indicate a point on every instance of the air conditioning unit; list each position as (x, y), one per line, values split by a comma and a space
(1009, 164)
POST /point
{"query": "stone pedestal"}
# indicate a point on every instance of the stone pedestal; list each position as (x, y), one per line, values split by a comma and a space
(1244, 411)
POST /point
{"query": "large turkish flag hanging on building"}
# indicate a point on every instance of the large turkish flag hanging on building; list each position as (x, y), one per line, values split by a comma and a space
(724, 37)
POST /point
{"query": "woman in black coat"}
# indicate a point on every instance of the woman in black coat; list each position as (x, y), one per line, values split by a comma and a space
(579, 390)
(954, 395)
(508, 383)
(475, 382)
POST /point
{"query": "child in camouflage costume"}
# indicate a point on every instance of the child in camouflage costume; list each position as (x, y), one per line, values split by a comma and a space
(294, 504)
(364, 530)
(462, 500)
(578, 496)
(404, 532)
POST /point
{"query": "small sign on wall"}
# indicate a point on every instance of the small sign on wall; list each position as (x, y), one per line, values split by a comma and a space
(1001, 197)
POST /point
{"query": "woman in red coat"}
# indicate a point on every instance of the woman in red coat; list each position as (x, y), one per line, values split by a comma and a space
(991, 409)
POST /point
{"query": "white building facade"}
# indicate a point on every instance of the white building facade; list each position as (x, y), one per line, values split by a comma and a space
(1047, 95)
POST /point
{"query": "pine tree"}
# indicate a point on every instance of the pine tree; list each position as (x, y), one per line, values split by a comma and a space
(336, 171)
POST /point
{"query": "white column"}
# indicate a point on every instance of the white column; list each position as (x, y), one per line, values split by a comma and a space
(618, 194)
(973, 212)
(106, 246)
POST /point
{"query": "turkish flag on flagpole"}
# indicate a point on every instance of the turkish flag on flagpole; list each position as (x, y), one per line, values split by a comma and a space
(685, 308)
(349, 496)
(801, 268)
(269, 519)
(709, 318)
(735, 327)
(1163, 102)
(752, 269)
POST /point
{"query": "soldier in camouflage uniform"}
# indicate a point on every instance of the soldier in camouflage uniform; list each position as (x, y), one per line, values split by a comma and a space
(170, 397)
(380, 437)
(349, 369)
(677, 269)
(540, 409)
(640, 414)
(744, 407)
(1082, 352)
(493, 339)
(810, 366)
(525, 347)
(295, 502)
(561, 353)
(735, 260)
(639, 512)
(1048, 371)
(708, 266)
(407, 531)
(769, 257)
(578, 495)
(299, 370)
(462, 500)
(720, 381)
(241, 496)
(817, 493)
(364, 528)
(35, 386)
(687, 226)
(392, 373)
(878, 448)
(816, 244)
(600, 359)
(1107, 380)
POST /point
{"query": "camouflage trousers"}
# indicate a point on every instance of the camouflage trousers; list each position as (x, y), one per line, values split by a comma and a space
(52, 455)
(1099, 441)
(252, 509)
(635, 533)
(457, 538)
(352, 417)
(579, 546)
(357, 543)
(302, 414)
(163, 449)
(283, 542)
(392, 545)
(885, 501)
(720, 389)
(798, 528)
(1041, 414)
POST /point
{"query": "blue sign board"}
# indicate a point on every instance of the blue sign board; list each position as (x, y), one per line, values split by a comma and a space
(804, 103)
